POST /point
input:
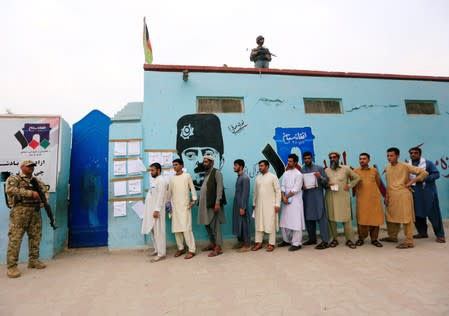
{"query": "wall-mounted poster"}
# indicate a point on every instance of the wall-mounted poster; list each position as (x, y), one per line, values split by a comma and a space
(33, 138)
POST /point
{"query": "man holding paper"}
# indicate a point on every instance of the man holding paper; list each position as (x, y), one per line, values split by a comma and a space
(315, 180)
(154, 212)
(292, 217)
(338, 200)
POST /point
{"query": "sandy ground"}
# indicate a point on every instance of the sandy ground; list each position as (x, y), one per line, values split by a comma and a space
(339, 281)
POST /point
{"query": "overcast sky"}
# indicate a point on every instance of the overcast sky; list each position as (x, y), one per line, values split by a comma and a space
(69, 57)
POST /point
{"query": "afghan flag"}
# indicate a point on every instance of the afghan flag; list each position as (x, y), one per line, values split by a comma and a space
(148, 51)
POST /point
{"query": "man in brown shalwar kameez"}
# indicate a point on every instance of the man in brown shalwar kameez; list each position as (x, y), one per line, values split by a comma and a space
(399, 199)
(370, 212)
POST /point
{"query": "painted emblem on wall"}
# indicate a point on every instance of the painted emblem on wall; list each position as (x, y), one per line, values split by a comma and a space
(289, 138)
(199, 135)
(34, 135)
(187, 131)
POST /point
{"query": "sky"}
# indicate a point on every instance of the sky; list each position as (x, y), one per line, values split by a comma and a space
(67, 58)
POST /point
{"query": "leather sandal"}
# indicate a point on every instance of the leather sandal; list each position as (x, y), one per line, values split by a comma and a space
(270, 248)
(350, 244)
(257, 246)
(404, 246)
(359, 242)
(189, 255)
(216, 252)
(376, 243)
(179, 253)
(334, 243)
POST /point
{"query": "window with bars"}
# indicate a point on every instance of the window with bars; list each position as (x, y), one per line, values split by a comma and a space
(322, 106)
(421, 107)
(219, 105)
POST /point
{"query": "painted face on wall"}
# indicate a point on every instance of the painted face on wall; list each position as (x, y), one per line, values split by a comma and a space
(199, 135)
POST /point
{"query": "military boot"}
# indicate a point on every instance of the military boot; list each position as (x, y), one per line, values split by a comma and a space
(36, 264)
(13, 272)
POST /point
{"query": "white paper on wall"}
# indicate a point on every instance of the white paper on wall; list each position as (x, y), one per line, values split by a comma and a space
(135, 166)
(167, 159)
(139, 209)
(135, 186)
(120, 149)
(120, 188)
(120, 208)
(134, 148)
(154, 157)
(119, 168)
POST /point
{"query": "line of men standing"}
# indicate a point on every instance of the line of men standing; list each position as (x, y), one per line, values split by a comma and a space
(304, 199)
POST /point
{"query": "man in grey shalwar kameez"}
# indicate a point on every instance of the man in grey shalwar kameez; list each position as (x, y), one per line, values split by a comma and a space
(240, 216)
(313, 198)
(211, 213)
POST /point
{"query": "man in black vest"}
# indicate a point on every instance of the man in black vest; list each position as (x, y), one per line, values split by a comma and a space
(211, 211)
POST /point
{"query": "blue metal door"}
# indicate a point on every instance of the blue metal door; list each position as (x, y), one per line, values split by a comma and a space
(88, 212)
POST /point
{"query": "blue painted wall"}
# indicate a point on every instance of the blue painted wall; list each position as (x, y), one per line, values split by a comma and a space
(373, 119)
(52, 241)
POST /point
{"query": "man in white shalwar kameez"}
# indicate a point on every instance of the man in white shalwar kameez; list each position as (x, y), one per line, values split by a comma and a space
(292, 214)
(266, 205)
(154, 212)
(179, 190)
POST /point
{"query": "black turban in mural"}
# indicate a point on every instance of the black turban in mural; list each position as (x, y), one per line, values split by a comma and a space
(199, 130)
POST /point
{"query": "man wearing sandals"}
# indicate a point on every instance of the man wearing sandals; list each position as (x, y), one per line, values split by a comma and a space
(154, 213)
(399, 200)
(178, 194)
(338, 200)
(266, 205)
(425, 198)
(370, 213)
(210, 212)
(292, 217)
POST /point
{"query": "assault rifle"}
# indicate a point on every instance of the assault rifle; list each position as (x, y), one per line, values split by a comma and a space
(47, 207)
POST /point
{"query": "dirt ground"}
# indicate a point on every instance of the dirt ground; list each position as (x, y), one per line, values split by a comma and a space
(339, 281)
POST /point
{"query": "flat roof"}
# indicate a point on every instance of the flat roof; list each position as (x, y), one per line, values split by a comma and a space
(288, 72)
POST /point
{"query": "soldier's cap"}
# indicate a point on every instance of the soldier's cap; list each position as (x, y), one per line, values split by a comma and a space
(209, 157)
(27, 163)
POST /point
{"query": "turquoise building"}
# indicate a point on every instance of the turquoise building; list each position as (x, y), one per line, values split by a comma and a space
(256, 113)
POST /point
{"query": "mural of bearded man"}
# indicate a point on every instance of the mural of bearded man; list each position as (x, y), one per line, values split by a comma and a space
(199, 135)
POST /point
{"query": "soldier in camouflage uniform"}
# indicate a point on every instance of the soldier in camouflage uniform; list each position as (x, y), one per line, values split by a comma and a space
(24, 218)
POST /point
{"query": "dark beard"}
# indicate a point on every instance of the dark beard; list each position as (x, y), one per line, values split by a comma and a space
(333, 165)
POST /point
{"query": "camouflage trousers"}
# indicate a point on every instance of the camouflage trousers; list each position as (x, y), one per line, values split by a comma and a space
(23, 220)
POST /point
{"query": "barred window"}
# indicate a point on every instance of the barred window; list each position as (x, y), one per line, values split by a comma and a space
(219, 105)
(421, 107)
(322, 106)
